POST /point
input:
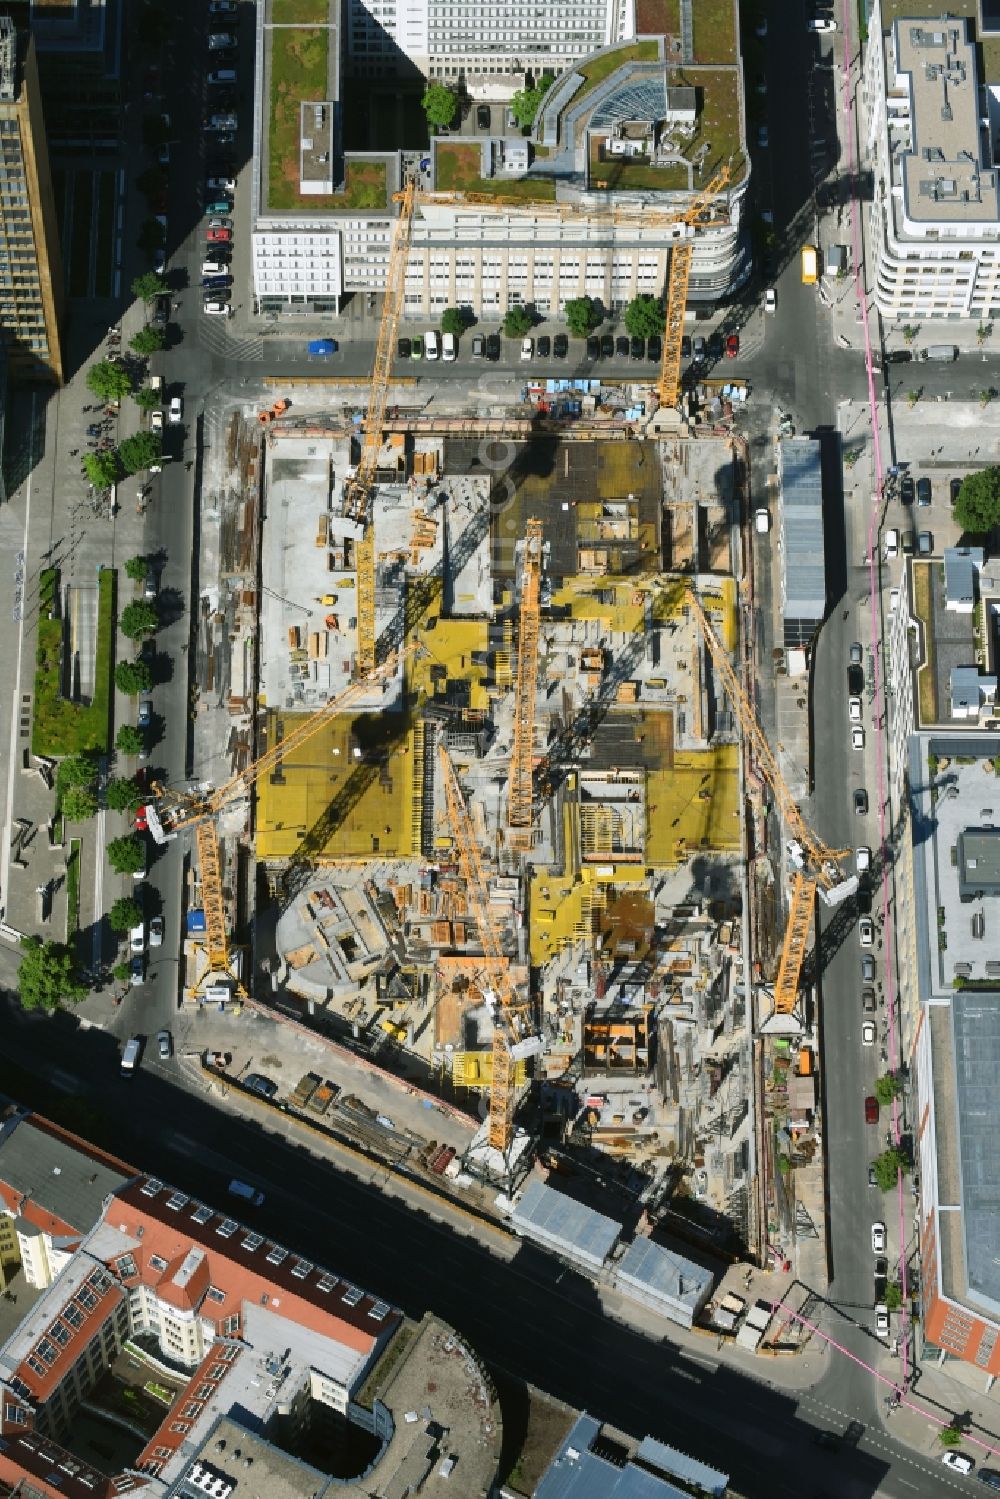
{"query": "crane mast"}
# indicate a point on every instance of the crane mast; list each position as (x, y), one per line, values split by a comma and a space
(520, 792)
(819, 869)
(358, 491)
(507, 1045)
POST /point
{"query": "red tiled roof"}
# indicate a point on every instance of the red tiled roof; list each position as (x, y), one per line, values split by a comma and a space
(57, 1474)
(188, 1408)
(239, 1265)
(71, 1329)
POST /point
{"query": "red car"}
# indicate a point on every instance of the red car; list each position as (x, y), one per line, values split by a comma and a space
(732, 345)
(219, 236)
(871, 1109)
(140, 820)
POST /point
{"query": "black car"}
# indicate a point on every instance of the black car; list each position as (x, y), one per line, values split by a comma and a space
(161, 312)
(637, 348)
(593, 347)
(956, 485)
(543, 346)
(258, 1083)
(560, 346)
(906, 489)
(685, 347)
(404, 348)
(715, 346)
(493, 346)
(925, 492)
(483, 116)
(607, 346)
(828, 1440)
(898, 356)
(621, 347)
(990, 1477)
(654, 348)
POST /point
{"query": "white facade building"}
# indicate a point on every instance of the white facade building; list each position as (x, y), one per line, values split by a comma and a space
(932, 134)
(445, 38)
(316, 241)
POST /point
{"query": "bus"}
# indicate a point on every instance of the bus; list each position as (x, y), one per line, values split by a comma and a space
(809, 265)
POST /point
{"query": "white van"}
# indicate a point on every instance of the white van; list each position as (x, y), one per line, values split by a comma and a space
(449, 348)
(432, 348)
(891, 544)
(130, 1055)
(248, 1193)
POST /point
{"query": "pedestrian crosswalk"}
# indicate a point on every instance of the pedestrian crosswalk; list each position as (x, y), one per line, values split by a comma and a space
(215, 336)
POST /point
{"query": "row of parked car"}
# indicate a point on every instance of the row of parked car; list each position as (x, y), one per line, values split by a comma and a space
(220, 125)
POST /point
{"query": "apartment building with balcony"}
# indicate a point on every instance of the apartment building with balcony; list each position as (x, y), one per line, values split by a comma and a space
(578, 209)
(932, 135)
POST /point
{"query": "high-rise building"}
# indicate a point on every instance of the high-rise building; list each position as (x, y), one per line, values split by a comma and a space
(641, 125)
(933, 136)
(31, 283)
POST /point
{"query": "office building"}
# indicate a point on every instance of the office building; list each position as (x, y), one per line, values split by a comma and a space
(644, 136)
(932, 134)
(31, 284)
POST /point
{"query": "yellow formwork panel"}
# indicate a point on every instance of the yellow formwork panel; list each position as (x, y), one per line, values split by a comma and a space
(474, 1069)
(694, 805)
(332, 805)
(620, 603)
(450, 644)
(559, 909)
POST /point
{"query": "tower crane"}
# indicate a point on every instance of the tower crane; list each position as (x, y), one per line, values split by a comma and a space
(681, 255)
(512, 1039)
(175, 811)
(520, 799)
(817, 867)
(358, 491)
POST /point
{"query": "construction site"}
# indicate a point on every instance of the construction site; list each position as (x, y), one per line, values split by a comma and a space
(493, 785)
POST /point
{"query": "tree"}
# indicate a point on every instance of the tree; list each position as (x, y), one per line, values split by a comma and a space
(147, 286)
(78, 803)
(439, 105)
(125, 914)
(582, 317)
(152, 181)
(139, 451)
(986, 396)
(127, 855)
(977, 507)
(983, 332)
(102, 469)
(887, 1088)
(123, 794)
(132, 677)
(912, 397)
(47, 975)
(136, 568)
(909, 334)
(128, 740)
(518, 322)
(452, 321)
(893, 1297)
(146, 399)
(78, 770)
(148, 340)
(643, 317)
(138, 619)
(887, 1167)
(949, 1436)
(109, 380)
(120, 973)
(525, 103)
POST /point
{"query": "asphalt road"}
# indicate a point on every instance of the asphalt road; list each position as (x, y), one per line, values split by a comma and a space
(531, 1317)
